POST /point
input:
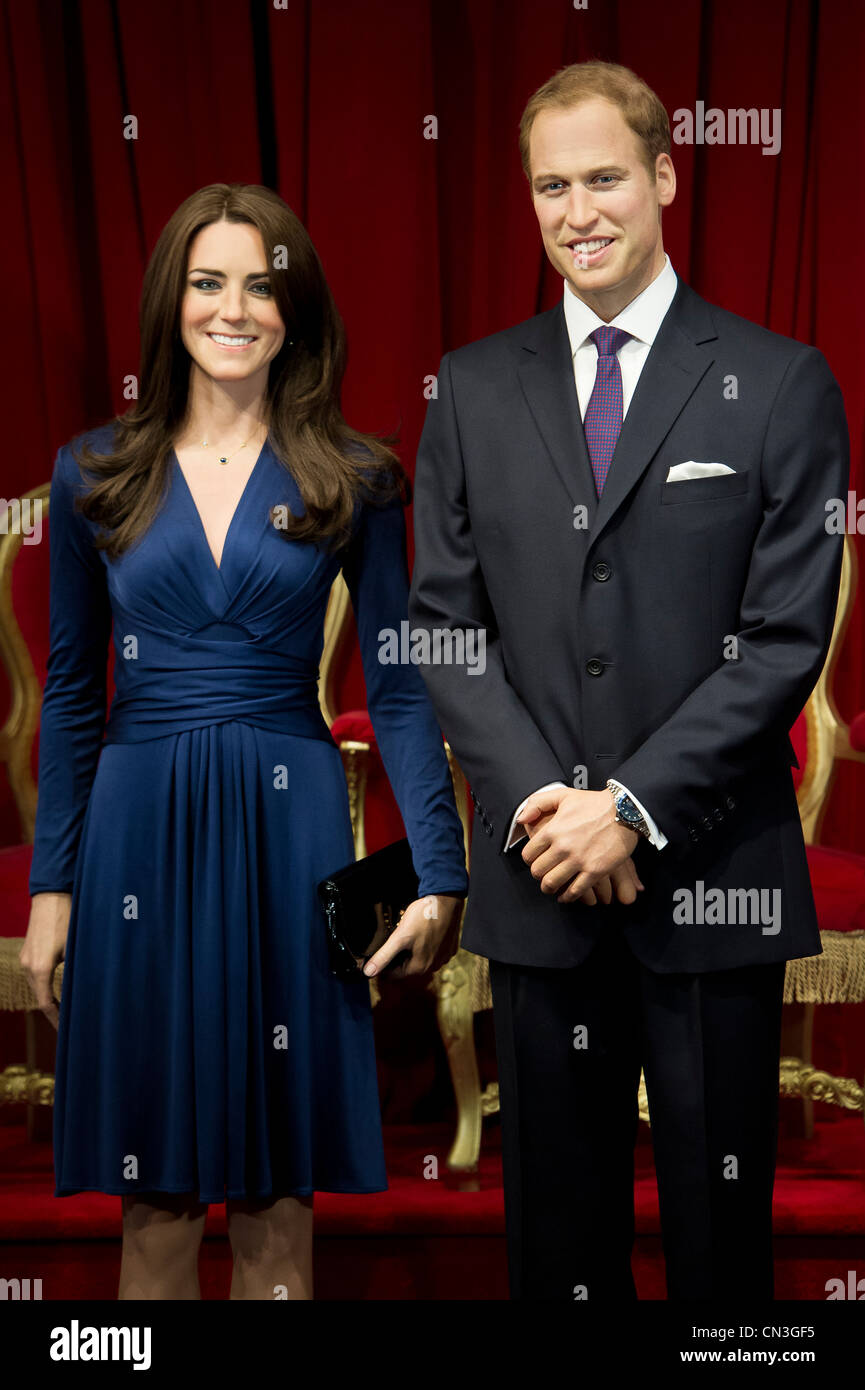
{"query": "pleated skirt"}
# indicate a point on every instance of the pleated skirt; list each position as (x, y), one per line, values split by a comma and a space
(203, 1045)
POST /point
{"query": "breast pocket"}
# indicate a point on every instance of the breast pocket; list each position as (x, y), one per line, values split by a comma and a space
(712, 489)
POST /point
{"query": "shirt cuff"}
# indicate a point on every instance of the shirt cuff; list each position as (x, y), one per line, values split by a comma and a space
(656, 837)
(523, 834)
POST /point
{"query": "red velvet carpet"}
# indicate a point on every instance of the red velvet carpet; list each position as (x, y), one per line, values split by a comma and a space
(432, 1238)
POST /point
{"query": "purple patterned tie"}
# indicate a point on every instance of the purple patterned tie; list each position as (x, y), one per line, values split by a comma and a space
(603, 418)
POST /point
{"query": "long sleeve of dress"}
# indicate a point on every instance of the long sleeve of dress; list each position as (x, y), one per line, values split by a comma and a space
(74, 699)
(409, 739)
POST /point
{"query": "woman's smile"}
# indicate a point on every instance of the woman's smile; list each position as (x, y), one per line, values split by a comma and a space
(231, 342)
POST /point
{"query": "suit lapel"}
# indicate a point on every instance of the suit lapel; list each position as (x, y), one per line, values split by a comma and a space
(676, 363)
(547, 379)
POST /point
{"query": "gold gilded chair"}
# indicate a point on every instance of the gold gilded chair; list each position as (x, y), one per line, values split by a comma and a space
(459, 986)
(823, 740)
(23, 649)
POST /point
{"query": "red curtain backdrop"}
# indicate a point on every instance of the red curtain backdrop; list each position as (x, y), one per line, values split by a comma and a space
(427, 243)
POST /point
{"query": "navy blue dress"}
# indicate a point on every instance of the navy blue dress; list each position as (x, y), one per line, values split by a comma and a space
(203, 1045)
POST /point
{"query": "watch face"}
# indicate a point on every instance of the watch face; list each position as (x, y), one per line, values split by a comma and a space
(627, 810)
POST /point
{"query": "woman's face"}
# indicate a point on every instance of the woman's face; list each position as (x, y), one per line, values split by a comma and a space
(229, 321)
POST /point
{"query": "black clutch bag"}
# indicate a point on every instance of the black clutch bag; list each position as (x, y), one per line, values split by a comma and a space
(363, 903)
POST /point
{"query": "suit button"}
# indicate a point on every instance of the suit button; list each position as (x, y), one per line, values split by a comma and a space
(487, 827)
(707, 823)
(601, 571)
(595, 667)
(730, 803)
(693, 833)
(718, 813)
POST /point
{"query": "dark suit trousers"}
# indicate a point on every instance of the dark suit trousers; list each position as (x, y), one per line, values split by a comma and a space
(709, 1045)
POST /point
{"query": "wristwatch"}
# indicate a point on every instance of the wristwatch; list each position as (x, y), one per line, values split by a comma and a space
(627, 813)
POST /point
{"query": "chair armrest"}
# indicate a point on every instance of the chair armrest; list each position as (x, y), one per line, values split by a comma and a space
(850, 739)
(857, 733)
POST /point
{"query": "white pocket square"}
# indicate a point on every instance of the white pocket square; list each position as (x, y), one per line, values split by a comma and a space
(680, 471)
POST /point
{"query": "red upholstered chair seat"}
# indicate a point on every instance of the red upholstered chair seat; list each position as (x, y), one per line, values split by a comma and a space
(353, 725)
(14, 892)
(838, 881)
(821, 740)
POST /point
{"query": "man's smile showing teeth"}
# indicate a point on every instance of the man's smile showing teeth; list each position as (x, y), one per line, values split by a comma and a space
(587, 252)
(229, 342)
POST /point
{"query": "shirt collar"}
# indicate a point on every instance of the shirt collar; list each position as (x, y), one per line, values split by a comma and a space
(641, 318)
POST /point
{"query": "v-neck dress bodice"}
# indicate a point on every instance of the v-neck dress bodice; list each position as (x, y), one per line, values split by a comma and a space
(209, 644)
(203, 1044)
(182, 479)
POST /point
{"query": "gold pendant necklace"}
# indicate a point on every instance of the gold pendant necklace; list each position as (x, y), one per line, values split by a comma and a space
(226, 458)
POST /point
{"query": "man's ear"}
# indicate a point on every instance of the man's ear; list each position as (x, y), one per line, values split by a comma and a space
(665, 180)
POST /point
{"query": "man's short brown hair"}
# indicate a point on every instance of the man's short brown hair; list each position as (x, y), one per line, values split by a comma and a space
(641, 109)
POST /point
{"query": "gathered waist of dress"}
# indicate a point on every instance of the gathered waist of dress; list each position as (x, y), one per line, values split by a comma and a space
(272, 690)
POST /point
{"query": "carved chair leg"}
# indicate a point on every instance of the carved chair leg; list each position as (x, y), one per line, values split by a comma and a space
(453, 987)
(41, 1043)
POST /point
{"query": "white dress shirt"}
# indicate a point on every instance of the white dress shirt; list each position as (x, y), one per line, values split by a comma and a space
(642, 318)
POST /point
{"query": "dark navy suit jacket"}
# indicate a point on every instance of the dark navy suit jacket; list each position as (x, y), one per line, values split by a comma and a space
(607, 622)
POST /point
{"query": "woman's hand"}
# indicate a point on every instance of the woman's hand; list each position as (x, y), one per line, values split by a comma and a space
(44, 946)
(428, 930)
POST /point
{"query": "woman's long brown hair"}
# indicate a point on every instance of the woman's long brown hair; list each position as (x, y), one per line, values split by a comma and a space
(309, 436)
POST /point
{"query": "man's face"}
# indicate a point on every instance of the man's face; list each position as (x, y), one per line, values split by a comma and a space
(597, 205)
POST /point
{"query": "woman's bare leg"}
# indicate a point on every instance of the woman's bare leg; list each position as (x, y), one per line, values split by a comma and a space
(161, 1240)
(271, 1242)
